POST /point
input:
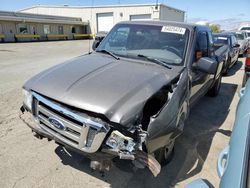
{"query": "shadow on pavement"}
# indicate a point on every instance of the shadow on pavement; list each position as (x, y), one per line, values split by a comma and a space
(237, 66)
(191, 148)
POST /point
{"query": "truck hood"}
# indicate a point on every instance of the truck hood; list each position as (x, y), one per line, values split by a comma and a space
(117, 89)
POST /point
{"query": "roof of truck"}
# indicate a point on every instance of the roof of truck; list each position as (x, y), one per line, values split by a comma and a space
(162, 23)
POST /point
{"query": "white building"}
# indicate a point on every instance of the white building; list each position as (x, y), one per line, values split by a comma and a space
(102, 18)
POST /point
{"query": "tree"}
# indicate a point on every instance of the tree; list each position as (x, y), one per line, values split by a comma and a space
(214, 28)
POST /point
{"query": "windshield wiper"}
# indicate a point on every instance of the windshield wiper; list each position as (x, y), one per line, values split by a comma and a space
(108, 52)
(154, 60)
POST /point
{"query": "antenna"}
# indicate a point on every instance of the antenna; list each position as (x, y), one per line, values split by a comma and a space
(91, 21)
(156, 5)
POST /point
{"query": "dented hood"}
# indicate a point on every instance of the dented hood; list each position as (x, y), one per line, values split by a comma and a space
(99, 83)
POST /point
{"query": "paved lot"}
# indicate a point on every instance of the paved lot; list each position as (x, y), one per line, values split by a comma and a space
(28, 162)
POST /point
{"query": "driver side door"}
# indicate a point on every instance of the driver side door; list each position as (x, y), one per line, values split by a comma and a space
(201, 81)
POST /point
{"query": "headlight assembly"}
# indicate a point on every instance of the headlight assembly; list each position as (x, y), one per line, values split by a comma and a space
(118, 141)
(27, 101)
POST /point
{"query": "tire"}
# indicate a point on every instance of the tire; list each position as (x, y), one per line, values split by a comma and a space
(164, 155)
(244, 80)
(214, 91)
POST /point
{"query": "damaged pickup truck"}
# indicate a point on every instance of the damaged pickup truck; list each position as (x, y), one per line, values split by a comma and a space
(130, 97)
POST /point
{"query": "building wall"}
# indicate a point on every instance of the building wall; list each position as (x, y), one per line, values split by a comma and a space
(170, 14)
(121, 13)
(9, 29)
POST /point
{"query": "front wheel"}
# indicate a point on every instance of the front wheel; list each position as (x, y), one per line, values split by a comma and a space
(165, 154)
(244, 80)
(214, 91)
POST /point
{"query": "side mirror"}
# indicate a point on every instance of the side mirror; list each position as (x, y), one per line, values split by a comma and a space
(236, 45)
(207, 65)
(97, 41)
(95, 44)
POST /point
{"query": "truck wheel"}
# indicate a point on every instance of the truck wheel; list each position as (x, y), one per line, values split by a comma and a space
(214, 91)
(165, 154)
(244, 80)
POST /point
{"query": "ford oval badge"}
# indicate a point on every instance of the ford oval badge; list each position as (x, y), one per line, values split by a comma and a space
(56, 123)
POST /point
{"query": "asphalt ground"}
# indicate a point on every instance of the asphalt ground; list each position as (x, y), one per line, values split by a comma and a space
(26, 161)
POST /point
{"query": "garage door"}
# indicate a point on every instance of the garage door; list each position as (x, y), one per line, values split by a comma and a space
(105, 21)
(140, 17)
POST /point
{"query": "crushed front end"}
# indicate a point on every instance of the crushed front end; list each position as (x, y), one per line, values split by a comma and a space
(86, 133)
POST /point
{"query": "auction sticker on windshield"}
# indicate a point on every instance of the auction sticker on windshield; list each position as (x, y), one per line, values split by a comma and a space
(173, 29)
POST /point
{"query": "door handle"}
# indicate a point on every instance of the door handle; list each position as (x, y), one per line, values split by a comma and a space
(223, 156)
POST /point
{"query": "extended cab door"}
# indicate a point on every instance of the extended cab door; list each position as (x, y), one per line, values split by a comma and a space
(201, 81)
(235, 50)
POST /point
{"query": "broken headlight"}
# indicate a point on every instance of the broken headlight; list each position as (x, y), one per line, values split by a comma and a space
(27, 101)
(119, 142)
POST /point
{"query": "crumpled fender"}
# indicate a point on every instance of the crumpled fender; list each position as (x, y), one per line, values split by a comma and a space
(164, 126)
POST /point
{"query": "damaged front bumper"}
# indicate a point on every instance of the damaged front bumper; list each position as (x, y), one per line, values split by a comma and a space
(100, 144)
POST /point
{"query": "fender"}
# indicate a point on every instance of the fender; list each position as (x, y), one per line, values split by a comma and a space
(168, 118)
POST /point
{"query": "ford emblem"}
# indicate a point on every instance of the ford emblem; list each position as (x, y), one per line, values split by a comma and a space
(56, 123)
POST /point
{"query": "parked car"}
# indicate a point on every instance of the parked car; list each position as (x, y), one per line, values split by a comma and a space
(247, 68)
(229, 39)
(233, 164)
(242, 40)
(248, 38)
(247, 29)
(244, 28)
(130, 97)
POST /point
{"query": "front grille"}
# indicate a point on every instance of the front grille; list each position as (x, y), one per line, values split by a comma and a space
(78, 131)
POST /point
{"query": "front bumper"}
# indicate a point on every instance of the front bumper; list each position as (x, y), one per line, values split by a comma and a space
(100, 159)
(28, 119)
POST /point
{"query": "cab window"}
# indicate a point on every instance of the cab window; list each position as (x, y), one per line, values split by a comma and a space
(202, 46)
(234, 40)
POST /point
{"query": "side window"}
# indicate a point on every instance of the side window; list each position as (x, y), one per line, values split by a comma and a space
(202, 44)
(210, 39)
(22, 28)
(234, 41)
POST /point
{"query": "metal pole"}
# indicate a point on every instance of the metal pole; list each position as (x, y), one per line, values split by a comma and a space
(156, 5)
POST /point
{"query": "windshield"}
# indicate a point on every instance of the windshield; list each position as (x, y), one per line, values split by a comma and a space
(239, 36)
(220, 40)
(165, 43)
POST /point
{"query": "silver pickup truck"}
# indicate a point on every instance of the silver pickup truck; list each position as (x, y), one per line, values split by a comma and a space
(130, 97)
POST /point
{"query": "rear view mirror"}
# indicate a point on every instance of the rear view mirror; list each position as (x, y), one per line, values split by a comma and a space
(95, 44)
(98, 39)
(207, 65)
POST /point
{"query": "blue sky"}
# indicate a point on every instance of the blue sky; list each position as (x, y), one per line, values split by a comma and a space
(223, 12)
